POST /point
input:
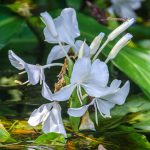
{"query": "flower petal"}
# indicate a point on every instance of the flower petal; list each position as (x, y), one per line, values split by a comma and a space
(57, 53)
(71, 23)
(46, 92)
(95, 90)
(38, 114)
(81, 70)
(54, 123)
(78, 44)
(104, 107)
(15, 61)
(34, 73)
(120, 96)
(99, 73)
(64, 93)
(48, 21)
(78, 112)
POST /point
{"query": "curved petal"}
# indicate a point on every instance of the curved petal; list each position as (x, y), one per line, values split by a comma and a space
(71, 23)
(81, 70)
(104, 107)
(15, 61)
(64, 35)
(78, 112)
(99, 73)
(54, 123)
(46, 92)
(120, 96)
(38, 114)
(57, 53)
(96, 91)
(78, 44)
(48, 21)
(34, 73)
(64, 93)
(49, 37)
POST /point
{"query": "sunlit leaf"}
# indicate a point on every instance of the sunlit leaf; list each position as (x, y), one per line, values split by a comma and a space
(4, 135)
(51, 138)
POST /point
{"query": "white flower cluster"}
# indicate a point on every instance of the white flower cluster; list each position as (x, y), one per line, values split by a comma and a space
(89, 76)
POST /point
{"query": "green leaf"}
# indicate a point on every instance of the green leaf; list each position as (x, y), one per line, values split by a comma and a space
(51, 138)
(10, 25)
(4, 135)
(74, 3)
(134, 62)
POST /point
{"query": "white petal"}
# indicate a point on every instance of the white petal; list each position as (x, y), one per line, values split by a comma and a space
(57, 53)
(46, 92)
(95, 91)
(54, 123)
(78, 112)
(49, 37)
(120, 96)
(71, 23)
(47, 19)
(104, 107)
(64, 93)
(78, 44)
(99, 73)
(34, 73)
(16, 61)
(115, 84)
(64, 35)
(81, 70)
(38, 114)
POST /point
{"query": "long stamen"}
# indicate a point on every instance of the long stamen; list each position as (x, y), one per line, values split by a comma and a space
(22, 72)
(21, 83)
(64, 52)
(100, 49)
(79, 95)
(51, 65)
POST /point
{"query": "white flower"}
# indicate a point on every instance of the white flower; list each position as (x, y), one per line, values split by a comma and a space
(35, 72)
(64, 28)
(93, 78)
(105, 102)
(125, 8)
(50, 117)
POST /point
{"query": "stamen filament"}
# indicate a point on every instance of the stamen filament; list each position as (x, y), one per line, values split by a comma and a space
(64, 52)
(100, 49)
(22, 72)
(51, 65)
(79, 95)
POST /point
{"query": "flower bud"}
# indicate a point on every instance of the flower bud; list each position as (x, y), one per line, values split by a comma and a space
(81, 50)
(120, 29)
(48, 21)
(119, 45)
(96, 43)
